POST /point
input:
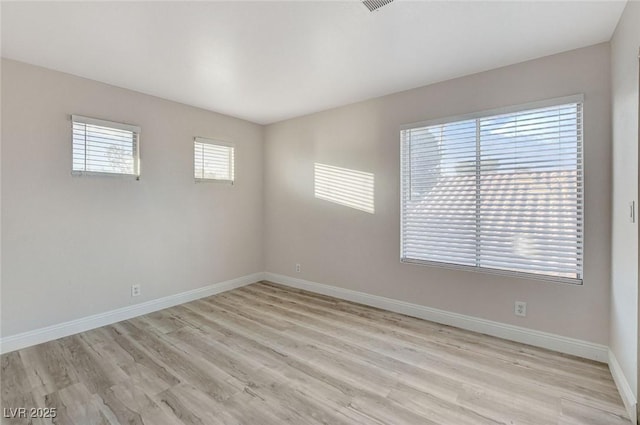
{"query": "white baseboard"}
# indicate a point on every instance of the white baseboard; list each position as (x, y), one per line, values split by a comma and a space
(514, 333)
(49, 333)
(546, 340)
(624, 388)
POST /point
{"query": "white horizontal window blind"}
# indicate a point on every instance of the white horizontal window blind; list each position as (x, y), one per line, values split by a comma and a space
(498, 191)
(213, 160)
(104, 147)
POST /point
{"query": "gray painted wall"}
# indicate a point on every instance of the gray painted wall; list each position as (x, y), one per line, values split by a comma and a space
(73, 246)
(340, 246)
(624, 276)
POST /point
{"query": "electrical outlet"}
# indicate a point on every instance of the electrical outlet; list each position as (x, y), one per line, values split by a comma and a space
(297, 268)
(520, 309)
(135, 290)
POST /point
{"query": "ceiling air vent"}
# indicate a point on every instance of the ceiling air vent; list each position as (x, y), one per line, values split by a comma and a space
(373, 5)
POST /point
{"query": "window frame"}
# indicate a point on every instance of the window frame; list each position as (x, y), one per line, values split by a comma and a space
(558, 101)
(136, 130)
(215, 142)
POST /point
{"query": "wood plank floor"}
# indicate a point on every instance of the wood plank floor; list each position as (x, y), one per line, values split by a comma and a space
(265, 354)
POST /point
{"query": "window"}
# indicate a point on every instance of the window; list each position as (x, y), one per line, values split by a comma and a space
(104, 147)
(213, 161)
(498, 191)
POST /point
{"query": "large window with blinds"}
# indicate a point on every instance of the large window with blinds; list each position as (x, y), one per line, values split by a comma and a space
(500, 191)
(104, 147)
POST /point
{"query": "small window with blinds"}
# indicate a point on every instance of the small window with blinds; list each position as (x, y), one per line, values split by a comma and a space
(213, 160)
(104, 147)
(500, 191)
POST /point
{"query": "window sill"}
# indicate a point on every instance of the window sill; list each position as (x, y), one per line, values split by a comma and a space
(229, 182)
(485, 270)
(108, 175)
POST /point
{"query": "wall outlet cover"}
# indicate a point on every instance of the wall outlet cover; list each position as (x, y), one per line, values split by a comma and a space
(520, 308)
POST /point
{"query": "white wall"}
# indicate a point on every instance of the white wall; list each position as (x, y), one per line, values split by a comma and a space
(624, 276)
(352, 249)
(72, 246)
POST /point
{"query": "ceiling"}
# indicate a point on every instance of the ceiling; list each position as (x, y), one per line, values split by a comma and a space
(268, 61)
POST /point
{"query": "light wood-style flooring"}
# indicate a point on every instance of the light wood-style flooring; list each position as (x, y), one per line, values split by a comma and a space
(266, 354)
